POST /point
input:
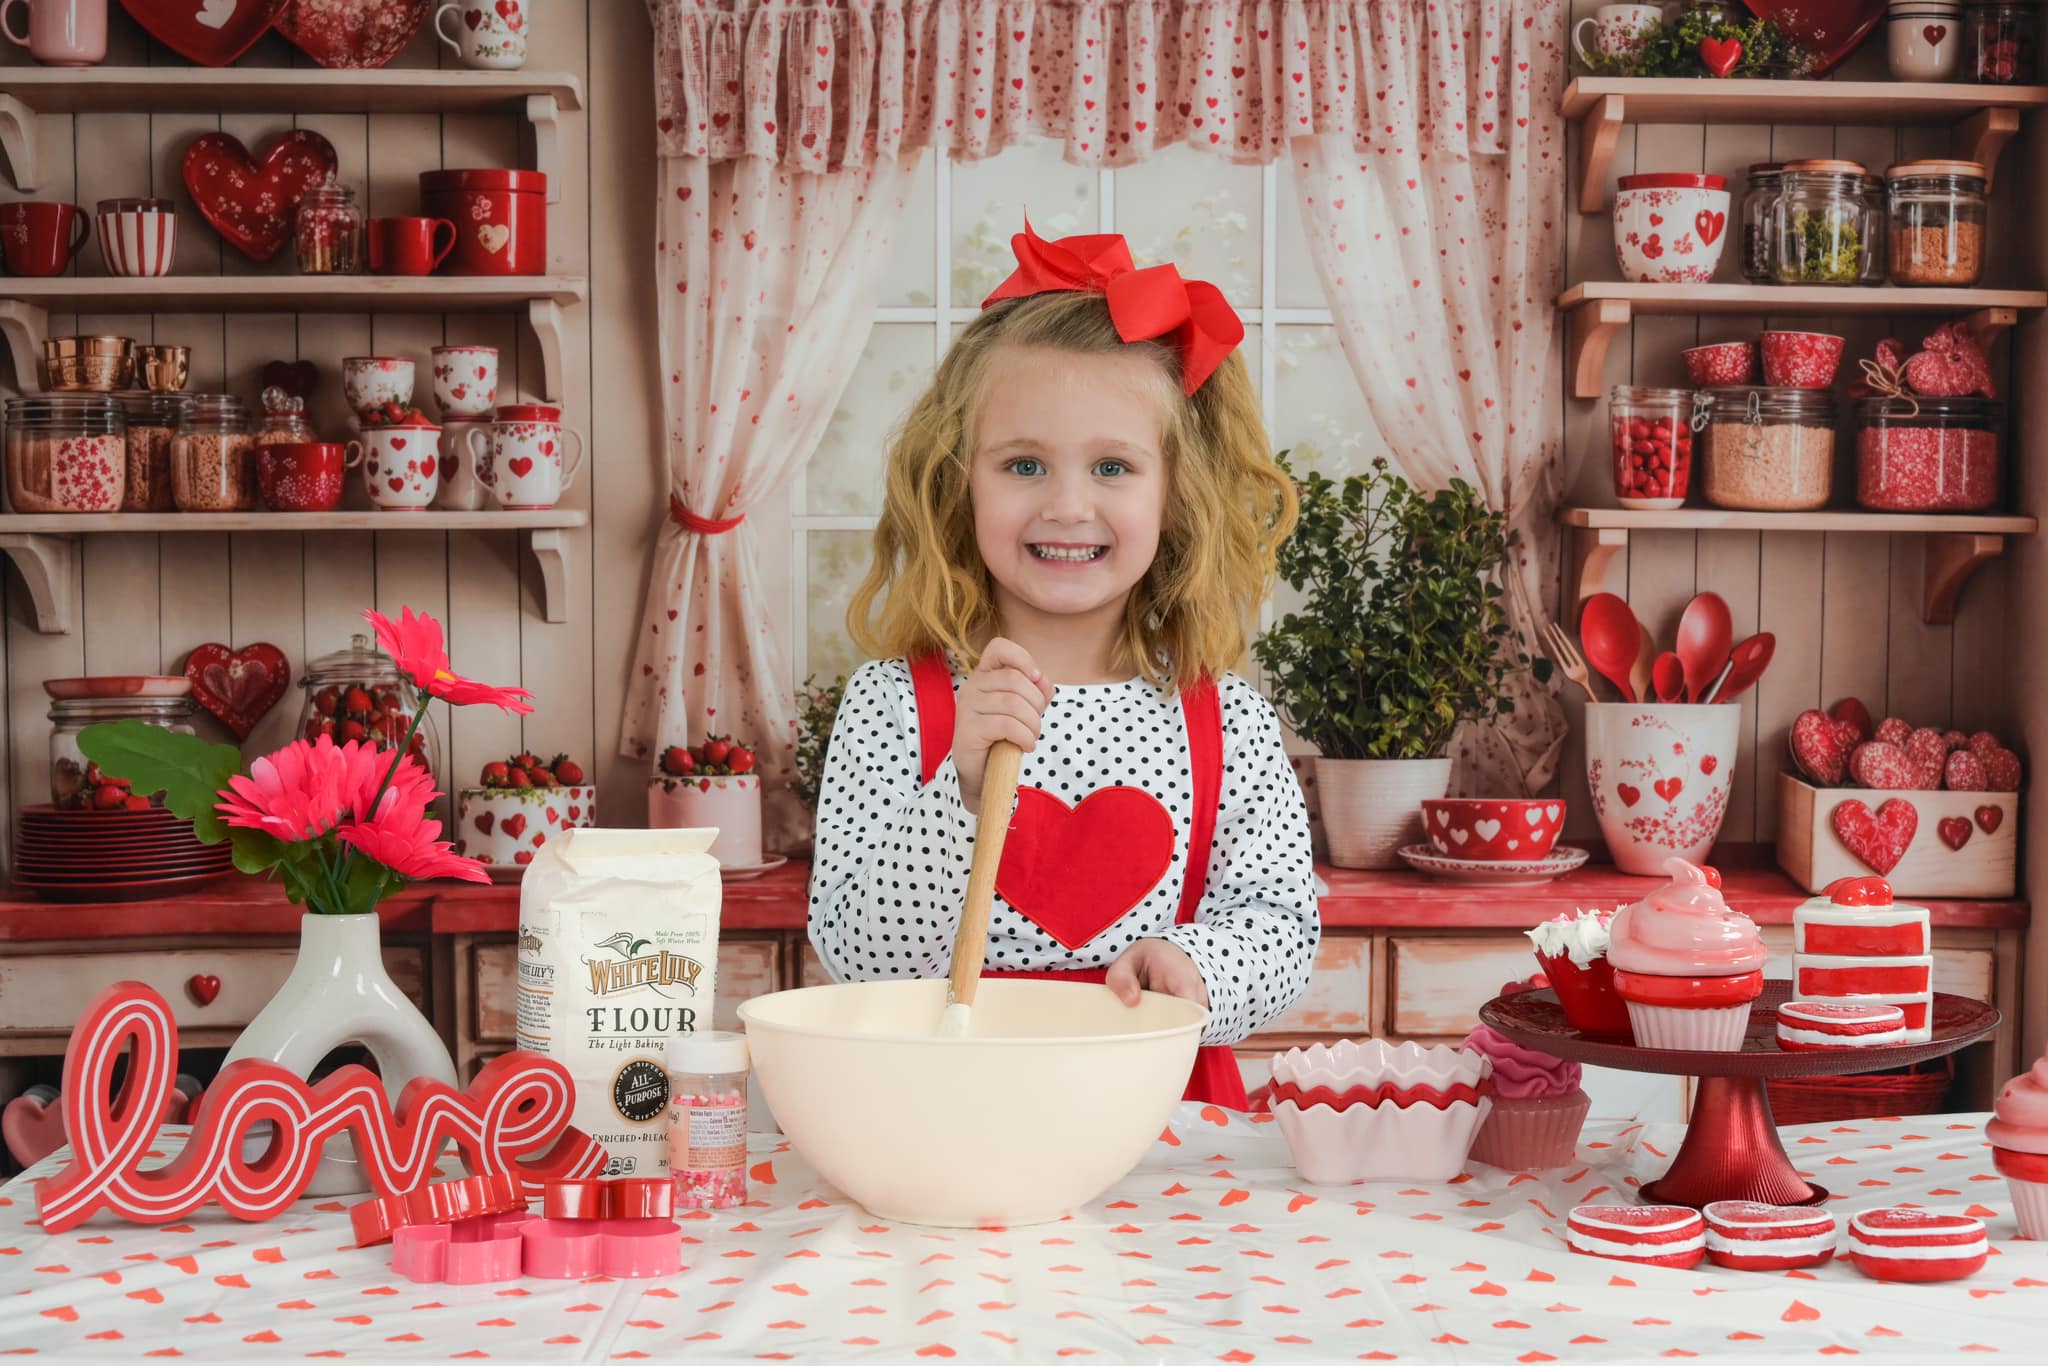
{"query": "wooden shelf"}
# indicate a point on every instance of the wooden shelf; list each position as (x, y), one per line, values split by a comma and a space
(1956, 545)
(45, 546)
(26, 304)
(1597, 310)
(31, 92)
(1987, 115)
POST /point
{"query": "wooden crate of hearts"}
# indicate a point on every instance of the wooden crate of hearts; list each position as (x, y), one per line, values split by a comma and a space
(1924, 842)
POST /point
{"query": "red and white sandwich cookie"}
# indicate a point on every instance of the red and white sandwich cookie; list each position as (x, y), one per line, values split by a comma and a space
(1838, 1024)
(1748, 1236)
(1902, 1244)
(1649, 1235)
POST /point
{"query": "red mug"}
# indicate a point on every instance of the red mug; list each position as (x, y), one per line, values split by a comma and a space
(305, 476)
(40, 236)
(410, 246)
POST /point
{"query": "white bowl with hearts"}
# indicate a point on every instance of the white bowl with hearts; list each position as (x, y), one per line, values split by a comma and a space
(1659, 775)
(1487, 829)
(1669, 228)
(402, 466)
(504, 827)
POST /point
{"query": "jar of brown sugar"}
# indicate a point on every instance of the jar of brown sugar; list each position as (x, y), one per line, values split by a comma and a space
(1936, 213)
(66, 453)
(213, 456)
(1769, 450)
(284, 419)
(152, 418)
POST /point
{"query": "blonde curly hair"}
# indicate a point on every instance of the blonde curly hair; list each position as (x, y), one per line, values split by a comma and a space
(1228, 508)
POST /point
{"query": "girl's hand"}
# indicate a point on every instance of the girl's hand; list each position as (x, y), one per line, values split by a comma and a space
(1002, 699)
(1157, 965)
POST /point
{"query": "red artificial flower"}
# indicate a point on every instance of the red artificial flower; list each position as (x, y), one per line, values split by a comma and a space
(414, 642)
(302, 791)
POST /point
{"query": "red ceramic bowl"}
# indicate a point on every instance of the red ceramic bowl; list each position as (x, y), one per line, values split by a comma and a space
(1801, 360)
(1493, 829)
(1723, 363)
(302, 476)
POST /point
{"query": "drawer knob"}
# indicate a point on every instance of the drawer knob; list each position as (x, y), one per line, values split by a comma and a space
(203, 986)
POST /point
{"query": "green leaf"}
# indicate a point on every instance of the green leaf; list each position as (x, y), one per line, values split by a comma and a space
(189, 772)
(255, 852)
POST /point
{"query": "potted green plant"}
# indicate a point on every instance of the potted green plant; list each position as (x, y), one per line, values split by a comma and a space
(1400, 636)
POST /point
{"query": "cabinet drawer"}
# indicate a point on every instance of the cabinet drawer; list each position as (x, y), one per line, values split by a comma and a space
(1438, 985)
(45, 992)
(746, 968)
(1338, 1000)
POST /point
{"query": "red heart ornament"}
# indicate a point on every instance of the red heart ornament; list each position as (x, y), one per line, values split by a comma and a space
(362, 33)
(1954, 831)
(1829, 29)
(1879, 840)
(238, 686)
(250, 202)
(1719, 55)
(1989, 818)
(212, 32)
(32, 1125)
(1075, 871)
(204, 987)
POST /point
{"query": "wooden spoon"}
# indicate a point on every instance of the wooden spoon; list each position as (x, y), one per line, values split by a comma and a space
(970, 941)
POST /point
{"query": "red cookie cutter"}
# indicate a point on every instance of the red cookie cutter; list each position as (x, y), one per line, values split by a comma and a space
(593, 1199)
(502, 1247)
(437, 1202)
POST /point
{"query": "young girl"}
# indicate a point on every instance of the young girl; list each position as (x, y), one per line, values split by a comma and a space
(1079, 525)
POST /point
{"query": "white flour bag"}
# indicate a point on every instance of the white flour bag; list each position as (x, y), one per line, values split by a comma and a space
(618, 952)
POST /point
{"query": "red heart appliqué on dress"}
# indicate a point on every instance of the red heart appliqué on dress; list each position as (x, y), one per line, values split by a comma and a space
(238, 686)
(1075, 871)
(1954, 831)
(249, 201)
(1880, 840)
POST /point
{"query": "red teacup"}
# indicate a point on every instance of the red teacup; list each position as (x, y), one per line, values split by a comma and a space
(40, 236)
(305, 476)
(1493, 829)
(409, 246)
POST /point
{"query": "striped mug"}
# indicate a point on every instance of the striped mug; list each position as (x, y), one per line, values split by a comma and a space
(138, 236)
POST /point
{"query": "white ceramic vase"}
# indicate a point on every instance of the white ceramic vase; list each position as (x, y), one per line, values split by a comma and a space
(1371, 807)
(339, 993)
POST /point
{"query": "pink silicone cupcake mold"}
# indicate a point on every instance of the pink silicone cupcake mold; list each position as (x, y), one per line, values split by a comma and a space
(1372, 1111)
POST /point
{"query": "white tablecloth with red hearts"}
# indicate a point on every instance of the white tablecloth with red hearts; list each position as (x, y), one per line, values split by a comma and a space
(1212, 1249)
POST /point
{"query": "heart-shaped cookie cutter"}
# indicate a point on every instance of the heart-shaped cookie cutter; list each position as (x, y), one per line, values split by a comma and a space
(501, 1247)
(437, 1202)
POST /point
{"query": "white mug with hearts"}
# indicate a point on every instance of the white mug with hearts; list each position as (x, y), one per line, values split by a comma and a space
(1659, 775)
(465, 380)
(461, 490)
(489, 35)
(525, 460)
(402, 469)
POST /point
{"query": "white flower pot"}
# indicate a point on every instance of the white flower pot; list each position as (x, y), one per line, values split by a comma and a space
(1659, 773)
(1371, 807)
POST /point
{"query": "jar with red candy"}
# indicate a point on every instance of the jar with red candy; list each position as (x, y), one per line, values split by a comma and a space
(1652, 445)
(1928, 454)
(2001, 43)
(359, 694)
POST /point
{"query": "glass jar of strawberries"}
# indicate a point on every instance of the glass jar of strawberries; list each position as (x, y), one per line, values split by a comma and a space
(359, 694)
(1653, 445)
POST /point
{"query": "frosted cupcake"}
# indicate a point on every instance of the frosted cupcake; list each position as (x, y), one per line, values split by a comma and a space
(1687, 965)
(1573, 953)
(1538, 1107)
(2019, 1146)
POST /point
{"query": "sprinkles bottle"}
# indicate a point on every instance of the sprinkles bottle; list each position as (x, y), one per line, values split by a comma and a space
(707, 1136)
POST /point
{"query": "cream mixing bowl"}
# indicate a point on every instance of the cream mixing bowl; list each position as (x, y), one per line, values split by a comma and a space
(1054, 1097)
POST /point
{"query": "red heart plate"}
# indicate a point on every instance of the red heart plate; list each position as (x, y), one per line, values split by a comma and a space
(1829, 29)
(211, 32)
(238, 686)
(352, 33)
(250, 201)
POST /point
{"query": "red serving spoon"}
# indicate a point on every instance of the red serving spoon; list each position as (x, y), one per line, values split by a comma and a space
(1667, 675)
(1610, 634)
(1745, 666)
(1704, 633)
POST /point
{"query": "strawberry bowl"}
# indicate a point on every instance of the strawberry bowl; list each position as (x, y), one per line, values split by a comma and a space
(1490, 829)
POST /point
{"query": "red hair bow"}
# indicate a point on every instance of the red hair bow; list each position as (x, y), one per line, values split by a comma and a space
(1190, 315)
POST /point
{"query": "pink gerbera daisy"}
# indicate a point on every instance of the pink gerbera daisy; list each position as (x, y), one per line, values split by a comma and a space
(302, 791)
(406, 845)
(414, 642)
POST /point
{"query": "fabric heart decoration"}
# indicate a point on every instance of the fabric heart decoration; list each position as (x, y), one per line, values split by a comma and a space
(250, 201)
(1878, 839)
(362, 33)
(1950, 364)
(1821, 746)
(211, 34)
(1074, 871)
(1719, 55)
(1829, 29)
(238, 686)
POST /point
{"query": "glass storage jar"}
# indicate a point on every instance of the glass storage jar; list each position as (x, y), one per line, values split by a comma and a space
(66, 453)
(1928, 454)
(1924, 39)
(1827, 225)
(152, 418)
(284, 419)
(359, 694)
(1768, 449)
(213, 456)
(2001, 39)
(1765, 180)
(328, 230)
(1935, 217)
(76, 783)
(1652, 445)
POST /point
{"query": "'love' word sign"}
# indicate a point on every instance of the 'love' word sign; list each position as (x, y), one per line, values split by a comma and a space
(513, 1119)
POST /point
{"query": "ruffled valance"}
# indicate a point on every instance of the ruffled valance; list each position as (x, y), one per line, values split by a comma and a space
(820, 84)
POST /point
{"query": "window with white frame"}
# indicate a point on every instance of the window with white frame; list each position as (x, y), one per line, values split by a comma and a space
(1235, 226)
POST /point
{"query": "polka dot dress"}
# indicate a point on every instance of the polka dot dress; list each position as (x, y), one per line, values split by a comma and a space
(890, 868)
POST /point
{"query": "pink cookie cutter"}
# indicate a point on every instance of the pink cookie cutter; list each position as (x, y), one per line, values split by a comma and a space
(466, 1252)
(501, 1247)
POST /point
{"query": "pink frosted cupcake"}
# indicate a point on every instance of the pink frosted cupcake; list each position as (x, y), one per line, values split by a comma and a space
(1538, 1107)
(1687, 965)
(2019, 1146)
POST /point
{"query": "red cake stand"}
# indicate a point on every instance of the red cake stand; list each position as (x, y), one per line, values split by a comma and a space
(1731, 1149)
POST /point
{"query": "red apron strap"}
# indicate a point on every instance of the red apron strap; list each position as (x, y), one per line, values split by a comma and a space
(933, 682)
(1203, 711)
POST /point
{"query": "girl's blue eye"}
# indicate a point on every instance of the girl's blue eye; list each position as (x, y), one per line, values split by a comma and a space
(1111, 468)
(1025, 465)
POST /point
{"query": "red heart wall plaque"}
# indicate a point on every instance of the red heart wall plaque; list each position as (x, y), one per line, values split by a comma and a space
(238, 686)
(250, 202)
(1829, 29)
(211, 32)
(362, 33)
(1075, 871)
